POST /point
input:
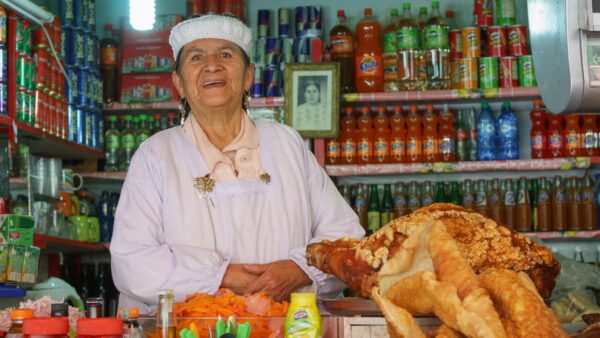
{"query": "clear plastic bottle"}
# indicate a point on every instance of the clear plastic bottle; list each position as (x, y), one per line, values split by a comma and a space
(508, 134)
(142, 132)
(390, 57)
(368, 55)
(407, 44)
(112, 145)
(436, 52)
(486, 134)
(131, 325)
(342, 51)
(127, 144)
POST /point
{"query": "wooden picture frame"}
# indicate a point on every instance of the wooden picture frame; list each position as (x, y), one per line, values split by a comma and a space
(312, 99)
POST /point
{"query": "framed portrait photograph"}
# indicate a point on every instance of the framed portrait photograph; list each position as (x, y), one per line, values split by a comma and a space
(312, 99)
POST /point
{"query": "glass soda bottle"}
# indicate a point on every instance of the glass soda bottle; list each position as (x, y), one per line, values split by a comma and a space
(573, 142)
(534, 188)
(348, 137)
(342, 51)
(495, 201)
(400, 202)
(486, 134)
(588, 205)
(398, 136)
(431, 139)
(481, 200)
(360, 205)
(143, 132)
(364, 153)
(112, 141)
(414, 202)
(368, 55)
(454, 197)
(374, 210)
(436, 51)
(559, 205)
(573, 205)
(447, 137)
(509, 204)
(589, 132)
(387, 205)
(508, 134)
(426, 194)
(407, 44)
(390, 57)
(556, 143)
(440, 192)
(414, 136)
(468, 200)
(539, 142)
(127, 143)
(523, 207)
(544, 207)
(381, 152)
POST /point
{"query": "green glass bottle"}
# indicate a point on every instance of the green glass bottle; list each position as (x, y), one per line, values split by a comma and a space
(440, 192)
(454, 193)
(534, 188)
(373, 211)
(387, 205)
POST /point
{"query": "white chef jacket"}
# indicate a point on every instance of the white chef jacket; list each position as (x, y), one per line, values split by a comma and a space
(167, 236)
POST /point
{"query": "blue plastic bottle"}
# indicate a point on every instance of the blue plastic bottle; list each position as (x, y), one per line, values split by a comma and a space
(486, 134)
(508, 134)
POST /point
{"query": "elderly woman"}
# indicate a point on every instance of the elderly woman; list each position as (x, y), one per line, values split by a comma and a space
(222, 201)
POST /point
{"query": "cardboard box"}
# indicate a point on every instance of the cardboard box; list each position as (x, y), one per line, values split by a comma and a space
(150, 58)
(133, 37)
(16, 229)
(16, 257)
(30, 264)
(4, 253)
(148, 88)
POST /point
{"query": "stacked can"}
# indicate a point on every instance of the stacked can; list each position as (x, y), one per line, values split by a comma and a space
(271, 53)
(83, 91)
(3, 63)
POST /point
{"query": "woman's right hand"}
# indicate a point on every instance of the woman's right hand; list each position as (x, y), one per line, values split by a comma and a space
(236, 278)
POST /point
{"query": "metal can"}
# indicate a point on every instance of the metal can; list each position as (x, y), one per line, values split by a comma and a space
(50, 120)
(301, 21)
(467, 73)
(193, 7)
(90, 92)
(78, 47)
(80, 13)
(65, 45)
(471, 42)
(488, 72)
(31, 106)
(454, 79)
(82, 90)
(66, 12)
(211, 6)
(3, 64)
(3, 24)
(527, 71)
(89, 126)
(273, 51)
(283, 22)
(88, 50)
(3, 98)
(21, 70)
(505, 12)
(302, 50)
(227, 7)
(484, 15)
(19, 34)
(32, 76)
(91, 17)
(40, 59)
(272, 82)
(258, 85)
(517, 40)
(455, 37)
(21, 105)
(263, 23)
(71, 123)
(496, 41)
(95, 117)
(39, 38)
(80, 117)
(260, 51)
(314, 21)
(37, 107)
(287, 50)
(27, 37)
(508, 72)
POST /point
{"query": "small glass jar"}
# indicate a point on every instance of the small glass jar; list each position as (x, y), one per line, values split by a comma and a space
(53, 327)
(17, 316)
(99, 327)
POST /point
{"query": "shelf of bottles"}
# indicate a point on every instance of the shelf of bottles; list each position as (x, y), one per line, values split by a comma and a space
(445, 95)
(456, 167)
(567, 235)
(64, 245)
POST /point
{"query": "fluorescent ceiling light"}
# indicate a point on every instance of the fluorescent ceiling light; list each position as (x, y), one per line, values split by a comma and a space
(141, 14)
(29, 10)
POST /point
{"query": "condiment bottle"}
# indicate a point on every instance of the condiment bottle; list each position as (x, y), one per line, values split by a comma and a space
(381, 152)
(544, 207)
(431, 140)
(414, 136)
(523, 207)
(17, 316)
(468, 200)
(165, 323)
(365, 137)
(481, 201)
(559, 205)
(44, 327)
(94, 307)
(588, 205)
(303, 314)
(100, 328)
(413, 197)
(400, 202)
(573, 204)
(398, 136)
(348, 137)
(495, 201)
(509, 204)
(374, 210)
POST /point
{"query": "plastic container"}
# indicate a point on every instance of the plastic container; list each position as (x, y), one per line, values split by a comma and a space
(53, 327)
(100, 327)
(368, 55)
(17, 316)
(486, 134)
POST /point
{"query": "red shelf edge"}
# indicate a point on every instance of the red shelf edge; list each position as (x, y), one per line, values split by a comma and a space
(42, 241)
(21, 126)
(117, 106)
(5, 120)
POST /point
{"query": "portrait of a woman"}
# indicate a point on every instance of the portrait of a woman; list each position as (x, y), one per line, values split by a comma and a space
(311, 112)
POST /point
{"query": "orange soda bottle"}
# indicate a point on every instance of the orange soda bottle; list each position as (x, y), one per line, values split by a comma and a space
(348, 137)
(447, 137)
(589, 135)
(334, 152)
(368, 55)
(365, 137)
(398, 136)
(381, 152)
(431, 140)
(414, 136)
(538, 136)
(556, 135)
(572, 136)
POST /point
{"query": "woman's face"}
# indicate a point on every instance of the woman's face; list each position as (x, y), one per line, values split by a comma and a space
(212, 74)
(311, 94)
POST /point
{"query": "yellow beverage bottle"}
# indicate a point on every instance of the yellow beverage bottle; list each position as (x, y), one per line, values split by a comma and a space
(303, 319)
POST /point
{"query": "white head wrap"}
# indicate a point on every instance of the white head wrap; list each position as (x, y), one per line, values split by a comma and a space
(210, 27)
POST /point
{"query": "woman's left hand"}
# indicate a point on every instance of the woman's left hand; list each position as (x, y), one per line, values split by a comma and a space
(277, 279)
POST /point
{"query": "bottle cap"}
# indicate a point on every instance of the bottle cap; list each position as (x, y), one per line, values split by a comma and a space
(304, 298)
(435, 4)
(365, 109)
(397, 109)
(45, 325)
(422, 10)
(406, 5)
(449, 14)
(128, 117)
(394, 11)
(381, 109)
(100, 326)
(18, 314)
(485, 105)
(341, 12)
(349, 110)
(112, 118)
(413, 107)
(368, 11)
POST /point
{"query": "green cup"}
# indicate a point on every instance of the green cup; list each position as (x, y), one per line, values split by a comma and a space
(82, 225)
(94, 229)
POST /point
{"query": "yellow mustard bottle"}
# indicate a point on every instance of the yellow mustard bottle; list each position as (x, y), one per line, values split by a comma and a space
(303, 319)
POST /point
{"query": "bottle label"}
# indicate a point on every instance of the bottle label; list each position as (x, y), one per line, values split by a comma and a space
(400, 201)
(436, 37)
(364, 149)
(430, 146)
(590, 140)
(521, 197)
(349, 149)
(359, 203)
(494, 198)
(543, 197)
(537, 142)
(572, 141)
(342, 44)
(386, 217)
(586, 196)
(413, 147)
(555, 141)
(461, 134)
(407, 37)
(368, 65)
(141, 138)
(390, 67)
(127, 141)
(112, 142)
(333, 149)
(381, 148)
(509, 198)
(447, 145)
(109, 56)
(389, 42)
(577, 197)
(413, 202)
(480, 198)
(398, 148)
(467, 199)
(426, 200)
(374, 220)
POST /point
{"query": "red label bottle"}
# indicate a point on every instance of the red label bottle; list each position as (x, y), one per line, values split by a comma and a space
(364, 152)
(589, 135)
(572, 136)
(447, 137)
(431, 140)
(556, 143)
(368, 55)
(398, 136)
(539, 139)
(348, 137)
(381, 152)
(414, 136)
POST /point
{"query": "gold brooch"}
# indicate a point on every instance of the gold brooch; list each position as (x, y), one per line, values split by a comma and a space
(204, 185)
(264, 176)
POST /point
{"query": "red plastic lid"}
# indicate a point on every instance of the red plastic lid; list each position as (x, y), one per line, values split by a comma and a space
(365, 109)
(368, 11)
(99, 326)
(50, 325)
(341, 12)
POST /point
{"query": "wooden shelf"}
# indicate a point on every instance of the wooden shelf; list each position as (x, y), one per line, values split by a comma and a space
(556, 235)
(444, 95)
(58, 244)
(455, 167)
